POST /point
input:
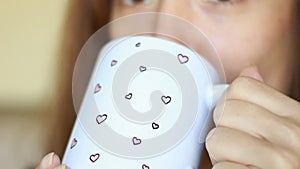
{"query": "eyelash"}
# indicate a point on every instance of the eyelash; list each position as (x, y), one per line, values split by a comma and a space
(222, 2)
(145, 2)
(136, 2)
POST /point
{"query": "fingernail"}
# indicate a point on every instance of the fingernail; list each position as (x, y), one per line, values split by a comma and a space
(47, 161)
(252, 71)
(55, 160)
(210, 134)
(209, 146)
(218, 112)
(62, 167)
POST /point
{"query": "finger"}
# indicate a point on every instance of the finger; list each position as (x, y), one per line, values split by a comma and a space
(62, 167)
(252, 72)
(224, 144)
(251, 90)
(50, 161)
(258, 122)
(230, 165)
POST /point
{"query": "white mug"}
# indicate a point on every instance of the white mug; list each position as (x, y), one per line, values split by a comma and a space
(148, 105)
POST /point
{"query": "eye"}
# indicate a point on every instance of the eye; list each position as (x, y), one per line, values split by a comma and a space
(219, 0)
(223, 1)
(137, 2)
(219, 3)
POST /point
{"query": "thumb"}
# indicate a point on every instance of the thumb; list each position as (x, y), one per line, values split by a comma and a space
(252, 72)
(50, 161)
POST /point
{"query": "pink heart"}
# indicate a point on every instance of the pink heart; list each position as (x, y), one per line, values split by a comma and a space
(166, 99)
(155, 125)
(145, 166)
(74, 142)
(101, 118)
(97, 88)
(94, 157)
(128, 96)
(183, 59)
(136, 141)
(113, 63)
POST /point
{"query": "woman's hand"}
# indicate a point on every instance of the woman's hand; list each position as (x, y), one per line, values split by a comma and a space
(51, 161)
(256, 127)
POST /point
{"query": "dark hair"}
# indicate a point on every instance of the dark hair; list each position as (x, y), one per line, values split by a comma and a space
(296, 84)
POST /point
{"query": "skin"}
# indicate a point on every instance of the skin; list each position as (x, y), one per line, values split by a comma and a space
(256, 124)
(51, 161)
(249, 33)
(253, 28)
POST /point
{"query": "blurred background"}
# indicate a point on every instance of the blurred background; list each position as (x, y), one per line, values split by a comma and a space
(39, 43)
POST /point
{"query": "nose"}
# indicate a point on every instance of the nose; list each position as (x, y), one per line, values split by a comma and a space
(171, 23)
(178, 8)
(176, 21)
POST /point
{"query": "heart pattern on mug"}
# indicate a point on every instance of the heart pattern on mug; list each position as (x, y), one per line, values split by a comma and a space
(143, 68)
(128, 96)
(183, 59)
(155, 126)
(94, 157)
(136, 141)
(97, 88)
(166, 99)
(101, 118)
(138, 44)
(144, 166)
(74, 143)
(113, 63)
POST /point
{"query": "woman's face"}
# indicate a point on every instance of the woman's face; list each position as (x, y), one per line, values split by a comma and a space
(244, 32)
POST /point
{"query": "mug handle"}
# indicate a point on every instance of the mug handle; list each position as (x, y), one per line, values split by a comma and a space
(217, 92)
